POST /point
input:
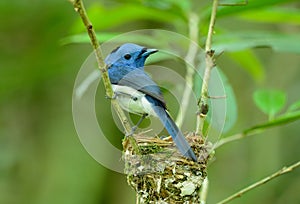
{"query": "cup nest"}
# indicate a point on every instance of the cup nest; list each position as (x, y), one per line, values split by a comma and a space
(160, 174)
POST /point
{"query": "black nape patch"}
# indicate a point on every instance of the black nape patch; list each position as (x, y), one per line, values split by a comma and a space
(115, 50)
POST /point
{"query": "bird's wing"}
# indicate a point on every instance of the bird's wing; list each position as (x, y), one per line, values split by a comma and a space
(139, 80)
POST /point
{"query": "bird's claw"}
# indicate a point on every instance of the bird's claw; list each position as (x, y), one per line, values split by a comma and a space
(133, 129)
(129, 134)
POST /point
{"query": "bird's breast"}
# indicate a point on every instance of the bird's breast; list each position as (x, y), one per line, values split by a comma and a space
(133, 100)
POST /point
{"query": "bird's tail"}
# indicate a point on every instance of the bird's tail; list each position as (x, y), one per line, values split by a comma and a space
(178, 137)
(176, 134)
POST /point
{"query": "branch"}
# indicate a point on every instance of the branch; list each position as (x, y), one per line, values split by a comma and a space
(190, 71)
(231, 139)
(79, 8)
(209, 59)
(282, 171)
(281, 120)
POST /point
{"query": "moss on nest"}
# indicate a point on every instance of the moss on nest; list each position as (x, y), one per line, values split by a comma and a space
(160, 174)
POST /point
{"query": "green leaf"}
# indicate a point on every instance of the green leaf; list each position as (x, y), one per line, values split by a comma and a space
(158, 57)
(231, 105)
(250, 63)
(252, 5)
(281, 120)
(238, 41)
(269, 101)
(168, 4)
(295, 106)
(274, 15)
(117, 37)
(84, 38)
(109, 17)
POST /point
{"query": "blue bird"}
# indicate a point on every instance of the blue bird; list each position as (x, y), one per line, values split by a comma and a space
(138, 93)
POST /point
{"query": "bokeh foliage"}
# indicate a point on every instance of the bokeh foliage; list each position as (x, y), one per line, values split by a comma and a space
(43, 45)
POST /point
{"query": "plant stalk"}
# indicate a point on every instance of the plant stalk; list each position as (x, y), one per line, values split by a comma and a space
(209, 59)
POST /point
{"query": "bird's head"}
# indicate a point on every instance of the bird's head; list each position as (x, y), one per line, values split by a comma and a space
(129, 54)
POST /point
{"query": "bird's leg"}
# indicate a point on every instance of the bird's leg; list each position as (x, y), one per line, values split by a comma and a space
(139, 122)
(133, 129)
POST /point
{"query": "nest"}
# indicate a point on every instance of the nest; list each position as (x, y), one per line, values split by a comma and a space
(160, 174)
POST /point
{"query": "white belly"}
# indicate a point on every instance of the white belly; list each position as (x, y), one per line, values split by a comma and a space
(132, 100)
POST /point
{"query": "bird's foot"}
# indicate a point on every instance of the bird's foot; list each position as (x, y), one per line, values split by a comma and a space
(133, 129)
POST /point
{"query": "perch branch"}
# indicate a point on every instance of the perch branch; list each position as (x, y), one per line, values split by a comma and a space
(282, 171)
(209, 59)
(79, 8)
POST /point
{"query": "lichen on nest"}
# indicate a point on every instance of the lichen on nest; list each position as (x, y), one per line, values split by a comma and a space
(160, 174)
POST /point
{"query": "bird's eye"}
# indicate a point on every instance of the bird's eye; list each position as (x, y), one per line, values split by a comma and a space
(127, 56)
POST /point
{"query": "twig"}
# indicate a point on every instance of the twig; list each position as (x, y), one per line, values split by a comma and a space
(281, 120)
(204, 191)
(282, 171)
(235, 137)
(209, 59)
(79, 8)
(190, 71)
(230, 139)
(211, 25)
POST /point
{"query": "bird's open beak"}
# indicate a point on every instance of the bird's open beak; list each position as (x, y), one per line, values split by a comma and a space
(149, 52)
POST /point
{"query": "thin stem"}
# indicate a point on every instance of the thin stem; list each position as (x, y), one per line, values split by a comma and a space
(190, 71)
(237, 136)
(211, 25)
(250, 131)
(282, 171)
(223, 141)
(209, 59)
(79, 8)
(204, 191)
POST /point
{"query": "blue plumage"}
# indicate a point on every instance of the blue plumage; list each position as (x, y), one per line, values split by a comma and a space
(138, 93)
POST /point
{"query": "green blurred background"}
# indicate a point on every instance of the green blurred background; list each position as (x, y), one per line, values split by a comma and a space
(41, 158)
